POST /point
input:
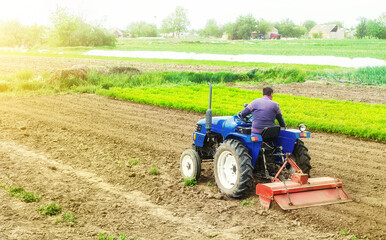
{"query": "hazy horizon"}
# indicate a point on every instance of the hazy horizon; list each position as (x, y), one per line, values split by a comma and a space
(119, 14)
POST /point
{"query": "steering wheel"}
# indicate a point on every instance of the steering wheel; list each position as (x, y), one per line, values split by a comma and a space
(246, 119)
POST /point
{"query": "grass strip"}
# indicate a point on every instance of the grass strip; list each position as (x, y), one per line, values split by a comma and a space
(351, 118)
(224, 64)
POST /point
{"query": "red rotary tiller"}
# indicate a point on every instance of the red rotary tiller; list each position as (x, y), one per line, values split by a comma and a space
(301, 191)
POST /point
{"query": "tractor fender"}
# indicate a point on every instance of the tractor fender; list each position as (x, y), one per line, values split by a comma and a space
(287, 139)
(252, 142)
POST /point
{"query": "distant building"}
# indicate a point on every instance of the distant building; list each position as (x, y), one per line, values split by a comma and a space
(127, 35)
(331, 31)
(272, 34)
(116, 33)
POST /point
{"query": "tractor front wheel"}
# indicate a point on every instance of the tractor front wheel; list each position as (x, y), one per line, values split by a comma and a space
(190, 164)
(233, 168)
(301, 157)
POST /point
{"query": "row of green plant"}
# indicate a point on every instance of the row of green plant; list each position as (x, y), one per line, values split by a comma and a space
(366, 75)
(355, 119)
(27, 80)
(19, 192)
(122, 236)
(273, 75)
(50, 209)
(350, 235)
(47, 209)
(276, 74)
(135, 161)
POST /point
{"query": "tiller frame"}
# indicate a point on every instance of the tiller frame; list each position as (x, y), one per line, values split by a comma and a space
(301, 191)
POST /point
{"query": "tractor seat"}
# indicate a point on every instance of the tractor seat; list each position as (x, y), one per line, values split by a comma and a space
(269, 134)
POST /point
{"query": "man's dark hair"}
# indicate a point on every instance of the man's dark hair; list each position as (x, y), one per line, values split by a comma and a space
(267, 91)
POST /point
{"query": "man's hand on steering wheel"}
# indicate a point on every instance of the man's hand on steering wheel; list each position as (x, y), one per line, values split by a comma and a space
(246, 119)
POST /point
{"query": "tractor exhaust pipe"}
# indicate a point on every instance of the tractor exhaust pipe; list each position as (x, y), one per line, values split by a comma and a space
(208, 116)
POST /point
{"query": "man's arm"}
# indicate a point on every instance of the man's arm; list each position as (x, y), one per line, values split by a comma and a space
(280, 119)
(245, 111)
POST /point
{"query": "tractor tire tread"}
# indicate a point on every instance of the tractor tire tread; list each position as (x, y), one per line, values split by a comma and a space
(301, 156)
(246, 168)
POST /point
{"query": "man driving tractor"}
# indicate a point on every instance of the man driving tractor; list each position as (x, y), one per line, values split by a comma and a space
(264, 112)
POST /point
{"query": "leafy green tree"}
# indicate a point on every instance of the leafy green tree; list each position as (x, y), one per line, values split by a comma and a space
(382, 19)
(375, 29)
(243, 27)
(361, 29)
(211, 29)
(176, 23)
(70, 30)
(372, 28)
(64, 24)
(228, 27)
(288, 28)
(35, 35)
(143, 29)
(309, 24)
(13, 33)
(264, 26)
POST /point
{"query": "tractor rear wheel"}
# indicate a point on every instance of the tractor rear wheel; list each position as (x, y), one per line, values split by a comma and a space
(301, 156)
(233, 168)
(190, 164)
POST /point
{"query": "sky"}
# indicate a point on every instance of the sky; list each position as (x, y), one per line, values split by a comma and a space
(120, 13)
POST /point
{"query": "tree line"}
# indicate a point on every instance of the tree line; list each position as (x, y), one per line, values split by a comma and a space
(177, 23)
(375, 28)
(66, 30)
(69, 30)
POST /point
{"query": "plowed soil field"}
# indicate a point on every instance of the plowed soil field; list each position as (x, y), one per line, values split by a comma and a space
(73, 150)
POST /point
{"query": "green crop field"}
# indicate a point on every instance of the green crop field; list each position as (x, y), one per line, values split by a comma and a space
(350, 48)
(355, 119)
(302, 47)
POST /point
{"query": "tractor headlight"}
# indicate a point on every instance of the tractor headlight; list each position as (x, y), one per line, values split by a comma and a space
(302, 127)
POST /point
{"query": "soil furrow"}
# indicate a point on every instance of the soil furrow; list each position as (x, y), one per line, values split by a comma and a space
(89, 139)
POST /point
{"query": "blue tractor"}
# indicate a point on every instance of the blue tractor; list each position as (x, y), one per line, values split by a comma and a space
(238, 155)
